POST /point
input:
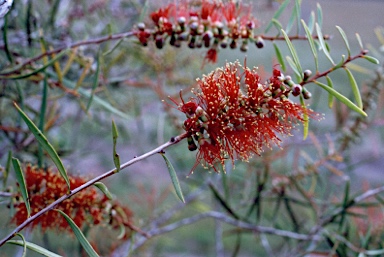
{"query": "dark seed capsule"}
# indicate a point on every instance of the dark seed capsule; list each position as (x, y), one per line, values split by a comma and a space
(159, 42)
(233, 44)
(259, 42)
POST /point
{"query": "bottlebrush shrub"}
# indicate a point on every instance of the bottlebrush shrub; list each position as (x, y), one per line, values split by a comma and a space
(88, 207)
(235, 115)
(211, 24)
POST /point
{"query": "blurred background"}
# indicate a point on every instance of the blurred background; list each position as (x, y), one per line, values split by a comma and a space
(133, 82)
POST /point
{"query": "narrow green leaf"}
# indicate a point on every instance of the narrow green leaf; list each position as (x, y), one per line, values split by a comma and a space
(359, 41)
(113, 48)
(293, 53)
(319, 15)
(277, 14)
(341, 62)
(116, 157)
(95, 80)
(24, 244)
(322, 43)
(311, 44)
(222, 201)
(45, 144)
(344, 36)
(293, 66)
(42, 68)
(43, 109)
(175, 180)
(85, 93)
(7, 169)
(294, 17)
(311, 22)
(79, 235)
(355, 88)
(103, 188)
(374, 252)
(341, 98)
(279, 57)
(278, 25)
(5, 39)
(34, 247)
(330, 96)
(305, 118)
(22, 185)
(371, 59)
(345, 202)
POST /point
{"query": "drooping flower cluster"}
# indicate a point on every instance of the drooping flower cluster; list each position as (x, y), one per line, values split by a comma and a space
(89, 206)
(234, 115)
(211, 24)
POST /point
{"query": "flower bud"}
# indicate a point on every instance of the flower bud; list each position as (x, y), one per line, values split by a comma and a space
(306, 94)
(307, 74)
(224, 43)
(191, 144)
(244, 46)
(207, 36)
(159, 42)
(296, 89)
(259, 42)
(141, 26)
(183, 36)
(233, 44)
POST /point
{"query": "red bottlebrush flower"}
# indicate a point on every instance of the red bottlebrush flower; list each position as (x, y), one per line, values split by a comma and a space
(200, 24)
(237, 116)
(88, 206)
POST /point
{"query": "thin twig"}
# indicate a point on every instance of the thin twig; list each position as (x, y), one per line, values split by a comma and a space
(174, 140)
(226, 219)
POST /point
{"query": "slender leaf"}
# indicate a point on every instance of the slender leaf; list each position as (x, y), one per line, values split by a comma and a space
(79, 235)
(293, 53)
(116, 157)
(103, 188)
(5, 39)
(341, 62)
(322, 43)
(42, 68)
(293, 66)
(330, 96)
(371, 59)
(43, 109)
(344, 36)
(341, 98)
(277, 24)
(22, 185)
(223, 202)
(113, 48)
(175, 180)
(277, 14)
(87, 95)
(7, 169)
(34, 247)
(311, 22)
(319, 15)
(305, 118)
(24, 244)
(294, 17)
(311, 44)
(374, 252)
(95, 80)
(355, 88)
(45, 144)
(279, 57)
(359, 41)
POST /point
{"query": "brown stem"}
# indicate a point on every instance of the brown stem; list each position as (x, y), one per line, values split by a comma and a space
(172, 141)
(325, 73)
(74, 45)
